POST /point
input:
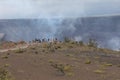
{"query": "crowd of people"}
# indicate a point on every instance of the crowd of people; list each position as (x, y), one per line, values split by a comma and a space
(36, 40)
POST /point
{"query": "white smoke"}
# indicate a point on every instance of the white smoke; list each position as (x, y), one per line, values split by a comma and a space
(114, 43)
(1, 36)
(78, 38)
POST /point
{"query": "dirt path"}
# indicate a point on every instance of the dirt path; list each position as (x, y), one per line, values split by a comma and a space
(18, 47)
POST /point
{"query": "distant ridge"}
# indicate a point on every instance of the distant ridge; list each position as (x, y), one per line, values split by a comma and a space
(91, 16)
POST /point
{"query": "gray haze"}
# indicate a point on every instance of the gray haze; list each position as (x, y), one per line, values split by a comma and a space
(1, 36)
(104, 29)
(10, 9)
(29, 19)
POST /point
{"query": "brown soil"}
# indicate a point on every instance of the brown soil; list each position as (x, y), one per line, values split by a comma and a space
(34, 63)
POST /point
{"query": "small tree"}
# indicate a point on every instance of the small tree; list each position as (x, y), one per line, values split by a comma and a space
(66, 39)
(81, 43)
(92, 43)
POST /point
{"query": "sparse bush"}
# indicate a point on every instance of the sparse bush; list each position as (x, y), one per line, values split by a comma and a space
(81, 43)
(62, 68)
(69, 55)
(57, 47)
(43, 50)
(19, 51)
(88, 62)
(92, 43)
(98, 71)
(58, 67)
(21, 42)
(66, 40)
(50, 61)
(70, 46)
(52, 49)
(33, 48)
(45, 45)
(108, 64)
(8, 53)
(67, 67)
(4, 74)
(36, 52)
(73, 42)
(6, 65)
(5, 57)
(70, 74)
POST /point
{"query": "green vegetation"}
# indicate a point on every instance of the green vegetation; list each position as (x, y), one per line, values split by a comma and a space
(33, 48)
(99, 71)
(108, 64)
(92, 43)
(19, 51)
(50, 61)
(5, 57)
(88, 62)
(81, 43)
(67, 40)
(6, 65)
(63, 68)
(4, 74)
(69, 74)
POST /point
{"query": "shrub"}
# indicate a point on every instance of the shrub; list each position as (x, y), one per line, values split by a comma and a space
(21, 42)
(62, 68)
(5, 57)
(99, 71)
(69, 55)
(88, 62)
(73, 42)
(52, 50)
(43, 50)
(66, 40)
(67, 68)
(6, 65)
(108, 65)
(58, 47)
(19, 51)
(33, 48)
(4, 74)
(70, 46)
(81, 43)
(92, 43)
(70, 74)
(50, 61)
(36, 52)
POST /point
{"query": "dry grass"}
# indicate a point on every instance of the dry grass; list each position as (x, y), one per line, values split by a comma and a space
(4, 56)
(108, 64)
(88, 61)
(99, 71)
(19, 51)
(5, 75)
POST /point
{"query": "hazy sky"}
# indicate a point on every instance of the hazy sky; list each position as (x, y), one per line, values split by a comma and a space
(57, 8)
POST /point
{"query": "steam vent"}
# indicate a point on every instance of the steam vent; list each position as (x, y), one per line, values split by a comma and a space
(1, 36)
(104, 29)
